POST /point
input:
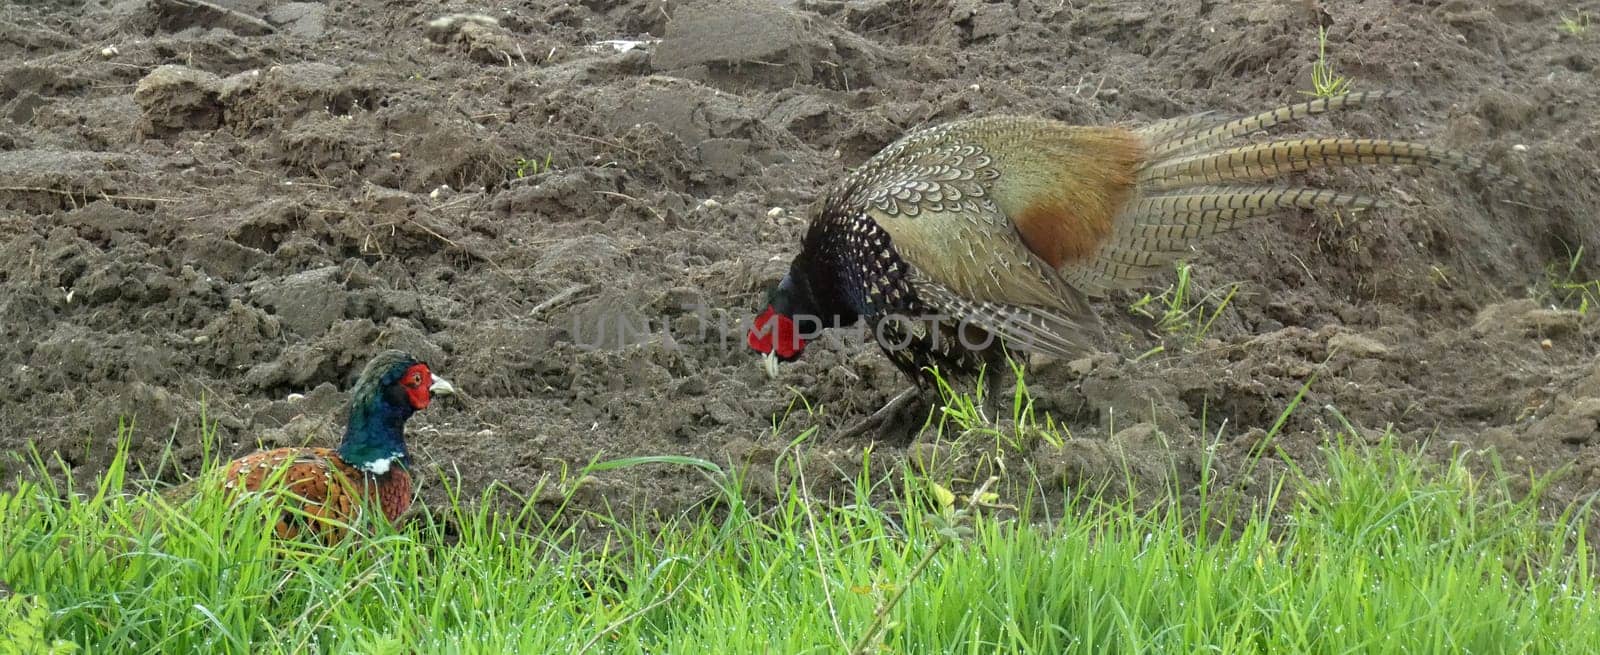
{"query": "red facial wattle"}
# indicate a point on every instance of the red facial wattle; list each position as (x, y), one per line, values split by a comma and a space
(775, 334)
(416, 382)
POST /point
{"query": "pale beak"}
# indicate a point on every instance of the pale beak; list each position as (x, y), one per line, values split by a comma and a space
(441, 387)
(769, 363)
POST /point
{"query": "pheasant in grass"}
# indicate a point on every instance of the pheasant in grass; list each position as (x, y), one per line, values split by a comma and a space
(370, 464)
(963, 237)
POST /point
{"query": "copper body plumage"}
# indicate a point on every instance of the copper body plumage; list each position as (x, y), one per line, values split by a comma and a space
(329, 492)
(331, 487)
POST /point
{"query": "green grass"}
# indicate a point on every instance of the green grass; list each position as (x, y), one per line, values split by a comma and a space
(523, 167)
(1325, 83)
(1374, 551)
(962, 419)
(1179, 311)
(1565, 287)
(23, 624)
(1575, 25)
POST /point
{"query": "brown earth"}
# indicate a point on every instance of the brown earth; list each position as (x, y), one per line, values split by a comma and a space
(237, 207)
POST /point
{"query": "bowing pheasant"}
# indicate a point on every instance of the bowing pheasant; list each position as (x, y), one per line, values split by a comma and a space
(961, 241)
(369, 468)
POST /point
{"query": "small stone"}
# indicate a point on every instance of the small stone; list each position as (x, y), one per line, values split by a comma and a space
(1520, 148)
(1546, 344)
(295, 397)
(109, 51)
(774, 212)
(396, 156)
(710, 203)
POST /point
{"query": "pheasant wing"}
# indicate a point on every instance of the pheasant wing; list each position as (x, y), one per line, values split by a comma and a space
(932, 197)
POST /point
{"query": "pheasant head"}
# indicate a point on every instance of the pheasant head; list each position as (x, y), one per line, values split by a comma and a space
(392, 387)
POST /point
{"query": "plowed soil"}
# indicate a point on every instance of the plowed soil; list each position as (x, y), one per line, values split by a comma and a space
(231, 209)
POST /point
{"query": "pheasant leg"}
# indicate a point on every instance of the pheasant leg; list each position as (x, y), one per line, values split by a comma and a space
(881, 418)
(993, 383)
(996, 371)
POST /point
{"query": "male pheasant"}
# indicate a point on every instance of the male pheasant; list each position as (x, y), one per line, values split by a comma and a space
(370, 466)
(980, 232)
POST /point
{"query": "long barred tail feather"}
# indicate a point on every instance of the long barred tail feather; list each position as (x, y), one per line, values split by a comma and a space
(1176, 136)
(1268, 160)
(1192, 186)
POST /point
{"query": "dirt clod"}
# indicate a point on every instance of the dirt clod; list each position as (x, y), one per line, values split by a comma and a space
(180, 98)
